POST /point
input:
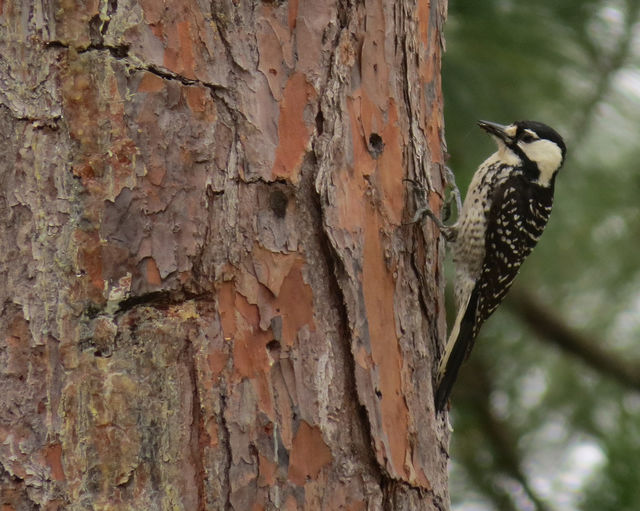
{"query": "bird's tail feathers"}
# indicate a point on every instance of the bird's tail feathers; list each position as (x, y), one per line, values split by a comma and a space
(456, 350)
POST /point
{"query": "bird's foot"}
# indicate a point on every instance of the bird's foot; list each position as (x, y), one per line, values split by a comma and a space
(423, 210)
(455, 192)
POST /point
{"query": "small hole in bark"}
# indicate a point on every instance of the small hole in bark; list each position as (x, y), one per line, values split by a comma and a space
(376, 145)
(273, 72)
(319, 122)
(278, 203)
(273, 350)
(120, 52)
(92, 311)
(379, 393)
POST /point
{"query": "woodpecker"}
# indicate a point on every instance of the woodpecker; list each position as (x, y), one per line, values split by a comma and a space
(503, 215)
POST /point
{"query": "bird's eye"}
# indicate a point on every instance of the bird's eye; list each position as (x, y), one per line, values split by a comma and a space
(527, 137)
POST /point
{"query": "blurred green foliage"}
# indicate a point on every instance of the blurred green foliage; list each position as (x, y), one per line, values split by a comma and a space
(571, 435)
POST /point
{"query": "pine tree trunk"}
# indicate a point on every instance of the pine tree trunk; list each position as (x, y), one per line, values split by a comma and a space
(209, 296)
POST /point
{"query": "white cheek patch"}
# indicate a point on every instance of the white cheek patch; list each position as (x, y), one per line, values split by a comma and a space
(546, 155)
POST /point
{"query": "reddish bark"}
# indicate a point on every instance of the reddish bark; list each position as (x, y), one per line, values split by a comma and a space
(210, 300)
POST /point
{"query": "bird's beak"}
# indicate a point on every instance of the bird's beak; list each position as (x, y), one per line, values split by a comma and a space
(495, 129)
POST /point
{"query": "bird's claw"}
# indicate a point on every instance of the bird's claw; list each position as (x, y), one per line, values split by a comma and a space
(423, 210)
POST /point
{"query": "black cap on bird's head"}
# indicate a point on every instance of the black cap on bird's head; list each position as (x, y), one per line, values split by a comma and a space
(534, 143)
(528, 131)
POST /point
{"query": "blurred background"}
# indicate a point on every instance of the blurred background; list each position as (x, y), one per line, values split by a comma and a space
(546, 413)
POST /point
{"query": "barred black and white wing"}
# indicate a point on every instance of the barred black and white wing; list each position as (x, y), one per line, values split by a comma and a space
(518, 214)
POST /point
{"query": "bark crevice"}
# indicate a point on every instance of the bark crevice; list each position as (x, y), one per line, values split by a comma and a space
(197, 425)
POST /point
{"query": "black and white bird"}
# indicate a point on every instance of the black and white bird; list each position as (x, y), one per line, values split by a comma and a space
(504, 213)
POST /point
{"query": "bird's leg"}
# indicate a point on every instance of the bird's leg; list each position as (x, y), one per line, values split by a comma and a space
(451, 181)
(423, 210)
(446, 207)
